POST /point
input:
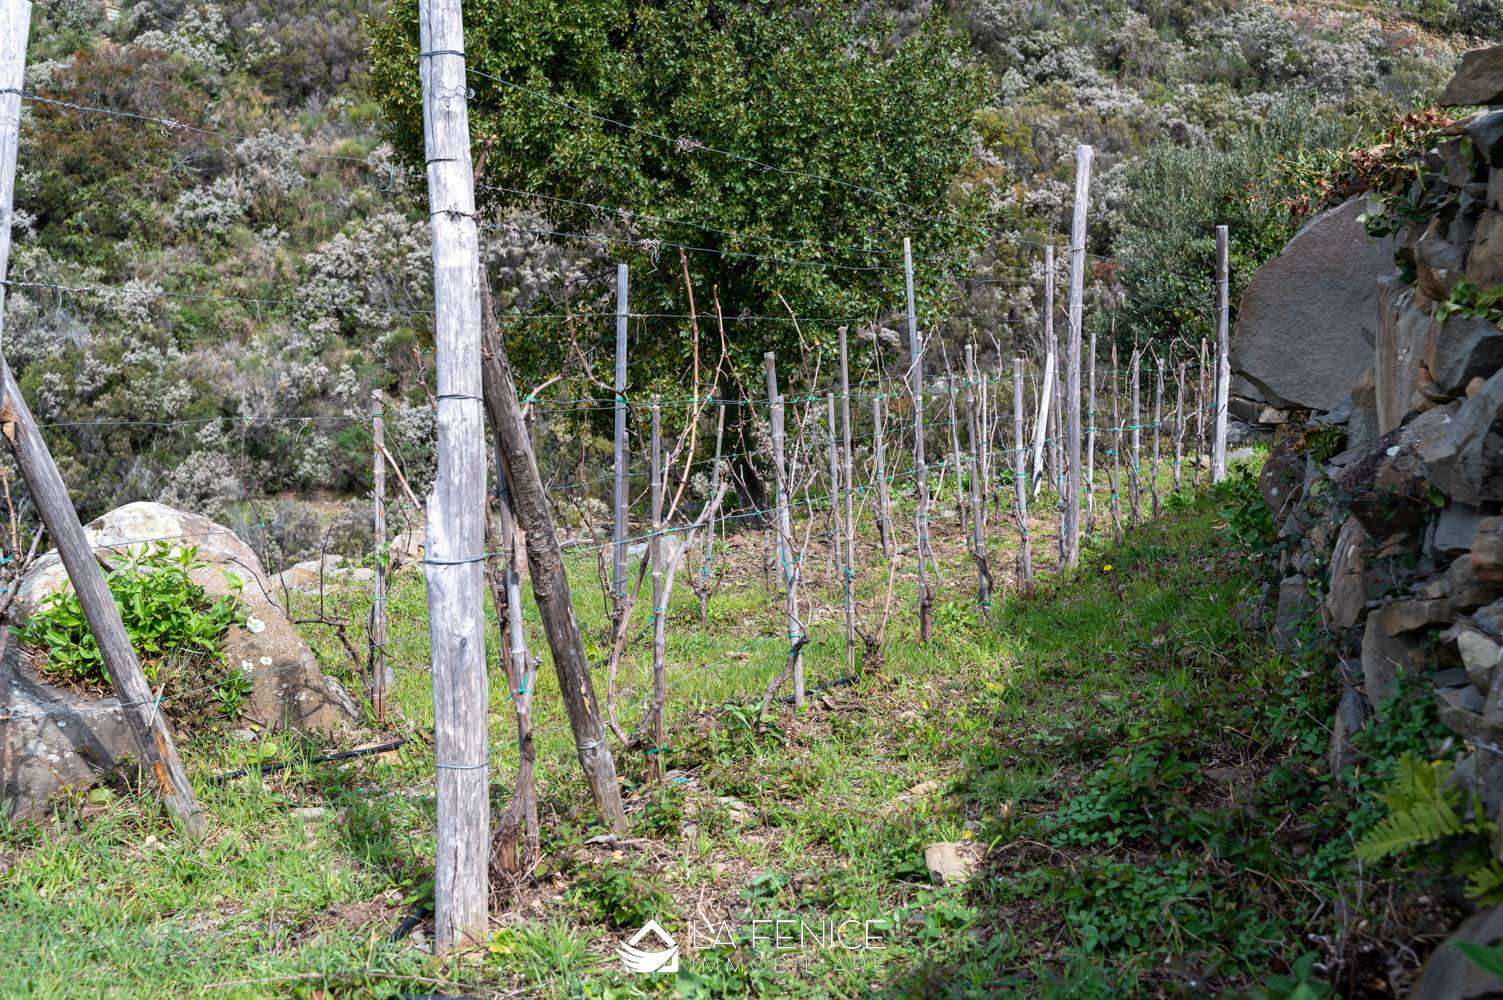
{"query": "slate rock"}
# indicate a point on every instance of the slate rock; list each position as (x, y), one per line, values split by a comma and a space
(1479, 79)
(1487, 550)
(1306, 322)
(1346, 593)
(1414, 615)
(1438, 263)
(1464, 589)
(1294, 617)
(1387, 483)
(1385, 658)
(1465, 460)
(1352, 713)
(1484, 264)
(1398, 352)
(1460, 349)
(1479, 656)
(1460, 711)
(1362, 419)
(1455, 528)
(1486, 132)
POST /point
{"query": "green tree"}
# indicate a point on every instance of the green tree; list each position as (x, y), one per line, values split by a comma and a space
(814, 91)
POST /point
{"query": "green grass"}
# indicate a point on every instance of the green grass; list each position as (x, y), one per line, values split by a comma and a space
(1145, 774)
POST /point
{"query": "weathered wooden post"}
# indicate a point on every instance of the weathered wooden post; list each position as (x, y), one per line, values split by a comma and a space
(379, 679)
(839, 536)
(848, 485)
(1020, 477)
(1090, 449)
(1045, 404)
(1135, 414)
(139, 706)
(1179, 424)
(1158, 432)
(978, 499)
(783, 521)
(659, 597)
(879, 470)
(622, 496)
(1200, 413)
(456, 508)
(1116, 445)
(920, 471)
(1083, 156)
(1223, 353)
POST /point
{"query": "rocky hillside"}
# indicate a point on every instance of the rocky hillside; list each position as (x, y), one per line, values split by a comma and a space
(1372, 348)
(201, 314)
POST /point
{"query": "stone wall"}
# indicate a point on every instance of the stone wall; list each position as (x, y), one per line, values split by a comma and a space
(1386, 474)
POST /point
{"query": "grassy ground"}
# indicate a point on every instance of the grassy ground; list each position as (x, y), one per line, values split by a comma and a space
(1144, 777)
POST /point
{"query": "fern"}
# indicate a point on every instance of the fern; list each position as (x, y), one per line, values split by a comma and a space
(1421, 811)
(1484, 882)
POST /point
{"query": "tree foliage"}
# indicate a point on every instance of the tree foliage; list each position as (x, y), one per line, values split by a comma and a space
(807, 92)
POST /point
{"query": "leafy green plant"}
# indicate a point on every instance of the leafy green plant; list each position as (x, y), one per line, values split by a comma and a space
(1424, 810)
(1248, 519)
(166, 614)
(1122, 905)
(1469, 299)
(625, 897)
(232, 692)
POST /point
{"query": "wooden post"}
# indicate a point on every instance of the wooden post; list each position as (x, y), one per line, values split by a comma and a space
(1020, 477)
(955, 452)
(379, 671)
(978, 499)
(1223, 353)
(140, 708)
(702, 591)
(1179, 425)
(622, 495)
(1041, 419)
(1116, 445)
(848, 486)
(1090, 449)
(1135, 414)
(1158, 432)
(838, 536)
(456, 508)
(515, 845)
(659, 612)
(1083, 156)
(550, 584)
(920, 471)
(1200, 412)
(879, 470)
(783, 522)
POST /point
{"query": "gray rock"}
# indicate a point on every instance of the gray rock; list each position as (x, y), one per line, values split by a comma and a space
(1352, 713)
(1460, 711)
(1479, 79)
(1292, 621)
(1486, 132)
(1479, 657)
(1413, 615)
(1464, 589)
(287, 688)
(1346, 596)
(1362, 421)
(1495, 187)
(1455, 527)
(1385, 658)
(1438, 263)
(952, 862)
(1452, 677)
(1490, 619)
(1387, 483)
(1306, 323)
(1484, 265)
(1465, 461)
(1403, 328)
(1487, 550)
(1460, 349)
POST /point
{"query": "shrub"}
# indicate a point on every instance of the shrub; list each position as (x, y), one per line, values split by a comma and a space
(166, 614)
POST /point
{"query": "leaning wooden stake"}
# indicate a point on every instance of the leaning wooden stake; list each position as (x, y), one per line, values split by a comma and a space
(456, 508)
(978, 499)
(140, 708)
(788, 557)
(1020, 478)
(1083, 156)
(1223, 354)
(550, 585)
(920, 471)
(379, 671)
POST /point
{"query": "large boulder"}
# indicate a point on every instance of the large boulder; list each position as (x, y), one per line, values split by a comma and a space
(1479, 80)
(51, 736)
(1307, 321)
